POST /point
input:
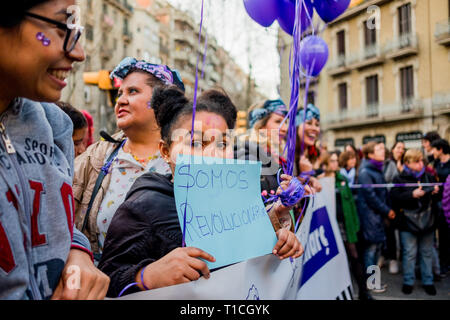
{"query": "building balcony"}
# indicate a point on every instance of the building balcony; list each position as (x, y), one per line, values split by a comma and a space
(441, 104)
(214, 58)
(357, 10)
(374, 114)
(181, 55)
(188, 78)
(442, 33)
(106, 52)
(121, 5)
(184, 35)
(339, 66)
(127, 36)
(107, 23)
(368, 57)
(164, 50)
(214, 76)
(403, 46)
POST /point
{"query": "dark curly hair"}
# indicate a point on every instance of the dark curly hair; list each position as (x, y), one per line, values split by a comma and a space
(14, 13)
(170, 104)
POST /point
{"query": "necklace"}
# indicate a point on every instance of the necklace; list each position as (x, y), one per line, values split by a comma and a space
(142, 161)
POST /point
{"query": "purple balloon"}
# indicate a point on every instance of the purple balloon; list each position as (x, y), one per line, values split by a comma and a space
(313, 55)
(262, 11)
(286, 18)
(329, 10)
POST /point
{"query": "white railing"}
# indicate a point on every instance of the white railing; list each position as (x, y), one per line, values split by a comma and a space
(338, 62)
(408, 40)
(442, 29)
(373, 111)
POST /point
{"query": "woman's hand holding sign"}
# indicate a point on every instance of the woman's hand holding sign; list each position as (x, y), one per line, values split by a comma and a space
(287, 245)
(178, 266)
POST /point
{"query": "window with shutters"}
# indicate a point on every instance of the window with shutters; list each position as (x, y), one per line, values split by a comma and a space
(370, 39)
(407, 87)
(404, 19)
(340, 36)
(372, 98)
(343, 101)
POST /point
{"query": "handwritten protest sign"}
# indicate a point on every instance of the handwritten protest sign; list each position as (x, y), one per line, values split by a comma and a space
(225, 215)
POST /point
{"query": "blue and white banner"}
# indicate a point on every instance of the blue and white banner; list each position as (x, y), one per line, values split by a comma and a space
(321, 273)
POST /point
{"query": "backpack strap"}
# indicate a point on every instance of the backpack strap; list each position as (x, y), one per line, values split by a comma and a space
(101, 176)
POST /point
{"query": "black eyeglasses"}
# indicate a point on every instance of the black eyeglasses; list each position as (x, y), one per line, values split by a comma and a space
(72, 34)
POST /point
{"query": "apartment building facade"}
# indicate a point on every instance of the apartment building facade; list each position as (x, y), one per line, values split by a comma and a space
(157, 32)
(388, 74)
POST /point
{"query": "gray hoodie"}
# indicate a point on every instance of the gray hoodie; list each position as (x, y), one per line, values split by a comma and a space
(36, 202)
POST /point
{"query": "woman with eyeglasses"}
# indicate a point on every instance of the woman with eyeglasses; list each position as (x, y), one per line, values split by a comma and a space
(42, 255)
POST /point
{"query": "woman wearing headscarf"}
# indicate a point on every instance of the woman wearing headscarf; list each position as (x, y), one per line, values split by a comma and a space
(265, 140)
(306, 155)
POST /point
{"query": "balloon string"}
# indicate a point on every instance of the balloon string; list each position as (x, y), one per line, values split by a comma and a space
(204, 55)
(193, 116)
(295, 76)
(290, 196)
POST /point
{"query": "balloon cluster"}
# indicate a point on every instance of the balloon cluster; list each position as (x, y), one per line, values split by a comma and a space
(313, 49)
(309, 56)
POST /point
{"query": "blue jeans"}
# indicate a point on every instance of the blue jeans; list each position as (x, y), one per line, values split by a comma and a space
(410, 244)
(372, 253)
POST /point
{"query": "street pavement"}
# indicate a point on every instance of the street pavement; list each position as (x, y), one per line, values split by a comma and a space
(394, 288)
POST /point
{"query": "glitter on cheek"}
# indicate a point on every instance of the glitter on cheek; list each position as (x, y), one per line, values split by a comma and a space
(149, 105)
(46, 42)
(40, 36)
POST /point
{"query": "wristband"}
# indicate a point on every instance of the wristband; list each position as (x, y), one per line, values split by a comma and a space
(142, 279)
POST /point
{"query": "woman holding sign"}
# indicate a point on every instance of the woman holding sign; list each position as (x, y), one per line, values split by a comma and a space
(142, 248)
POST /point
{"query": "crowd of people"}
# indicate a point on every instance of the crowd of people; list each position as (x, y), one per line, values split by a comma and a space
(105, 210)
(392, 210)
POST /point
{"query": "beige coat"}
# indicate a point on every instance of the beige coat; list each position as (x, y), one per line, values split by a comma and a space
(87, 168)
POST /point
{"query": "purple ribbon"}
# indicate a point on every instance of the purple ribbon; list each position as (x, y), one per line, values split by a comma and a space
(397, 185)
(194, 107)
(296, 75)
(107, 165)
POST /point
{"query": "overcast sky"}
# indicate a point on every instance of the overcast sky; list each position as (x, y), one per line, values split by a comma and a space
(246, 40)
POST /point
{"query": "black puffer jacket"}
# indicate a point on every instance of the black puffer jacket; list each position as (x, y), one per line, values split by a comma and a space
(144, 229)
(250, 150)
(402, 198)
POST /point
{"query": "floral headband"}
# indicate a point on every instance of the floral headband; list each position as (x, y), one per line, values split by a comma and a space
(270, 106)
(161, 72)
(312, 112)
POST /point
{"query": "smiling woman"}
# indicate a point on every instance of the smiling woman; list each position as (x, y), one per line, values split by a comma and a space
(38, 252)
(43, 55)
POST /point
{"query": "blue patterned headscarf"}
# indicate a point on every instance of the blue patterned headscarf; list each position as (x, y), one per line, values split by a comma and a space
(312, 112)
(161, 72)
(270, 106)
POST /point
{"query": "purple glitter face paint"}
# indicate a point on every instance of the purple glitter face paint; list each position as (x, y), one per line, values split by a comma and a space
(40, 36)
(46, 42)
(149, 105)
